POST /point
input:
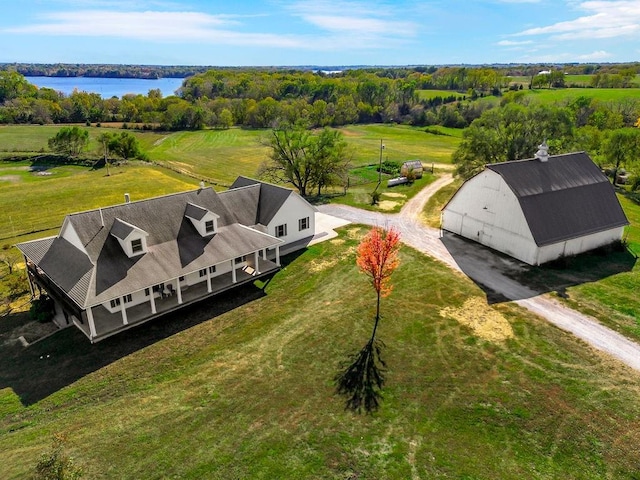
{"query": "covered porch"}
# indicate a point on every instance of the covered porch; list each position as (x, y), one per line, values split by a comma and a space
(104, 323)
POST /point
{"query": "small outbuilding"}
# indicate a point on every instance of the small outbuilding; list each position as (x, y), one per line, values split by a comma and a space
(538, 210)
(414, 166)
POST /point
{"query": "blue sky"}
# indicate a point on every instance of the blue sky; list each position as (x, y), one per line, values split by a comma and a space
(319, 32)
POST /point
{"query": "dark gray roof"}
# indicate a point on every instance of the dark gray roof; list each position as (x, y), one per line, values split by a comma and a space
(195, 212)
(565, 197)
(103, 271)
(271, 198)
(242, 202)
(121, 229)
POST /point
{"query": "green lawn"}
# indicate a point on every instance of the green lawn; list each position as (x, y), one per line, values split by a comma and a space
(38, 202)
(401, 143)
(249, 394)
(544, 95)
(392, 199)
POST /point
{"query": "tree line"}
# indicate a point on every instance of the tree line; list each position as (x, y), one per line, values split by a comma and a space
(608, 131)
(260, 98)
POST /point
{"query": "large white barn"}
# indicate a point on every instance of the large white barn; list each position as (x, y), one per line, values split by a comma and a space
(538, 210)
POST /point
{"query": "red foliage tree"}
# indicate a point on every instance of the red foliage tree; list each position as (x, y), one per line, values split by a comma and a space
(378, 258)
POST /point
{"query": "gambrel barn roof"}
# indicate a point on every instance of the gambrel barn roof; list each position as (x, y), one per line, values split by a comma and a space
(562, 198)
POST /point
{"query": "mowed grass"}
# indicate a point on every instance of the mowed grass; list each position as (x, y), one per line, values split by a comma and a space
(32, 202)
(220, 155)
(401, 143)
(249, 393)
(566, 95)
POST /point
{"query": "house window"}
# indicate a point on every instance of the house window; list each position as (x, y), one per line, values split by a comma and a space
(303, 223)
(212, 269)
(136, 245)
(127, 298)
(146, 292)
(203, 272)
(181, 279)
(241, 259)
(208, 226)
(115, 303)
(281, 230)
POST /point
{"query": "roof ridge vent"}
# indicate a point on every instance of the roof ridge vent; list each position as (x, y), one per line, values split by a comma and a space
(543, 152)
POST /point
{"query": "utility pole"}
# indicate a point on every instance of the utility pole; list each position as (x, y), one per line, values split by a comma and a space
(380, 163)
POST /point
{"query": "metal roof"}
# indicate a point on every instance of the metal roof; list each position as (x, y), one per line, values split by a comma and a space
(563, 198)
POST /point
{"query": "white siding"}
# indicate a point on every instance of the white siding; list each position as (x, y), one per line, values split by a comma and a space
(293, 209)
(486, 210)
(578, 245)
(69, 234)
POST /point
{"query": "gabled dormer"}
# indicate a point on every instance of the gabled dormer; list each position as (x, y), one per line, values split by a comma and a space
(132, 239)
(205, 221)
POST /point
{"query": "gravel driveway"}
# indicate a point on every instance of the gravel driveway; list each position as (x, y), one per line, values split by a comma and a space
(490, 270)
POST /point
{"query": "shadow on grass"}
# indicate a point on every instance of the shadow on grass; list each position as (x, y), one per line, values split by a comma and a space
(361, 378)
(61, 359)
(511, 279)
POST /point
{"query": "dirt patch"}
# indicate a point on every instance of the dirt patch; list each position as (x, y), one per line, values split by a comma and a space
(387, 205)
(394, 195)
(355, 233)
(10, 178)
(485, 322)
(319, 265)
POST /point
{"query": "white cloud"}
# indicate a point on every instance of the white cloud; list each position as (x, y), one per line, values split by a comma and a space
(367, 19)
(152, 25)
(593, 56)
(603, 19)
(512, 43)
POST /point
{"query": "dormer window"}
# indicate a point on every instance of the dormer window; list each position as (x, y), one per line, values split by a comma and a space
(136, 246)
(204, 221)
(132, 239)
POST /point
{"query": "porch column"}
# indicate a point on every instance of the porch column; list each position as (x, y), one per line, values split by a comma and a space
(26, 268)
(209, 280)
(278, 255)
(264, 254)
(179, 291)
(153, 300)
(233, 271)
(123, 309)
(256, 259)
(92, 325)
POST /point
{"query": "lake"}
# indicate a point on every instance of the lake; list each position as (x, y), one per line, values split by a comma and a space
(108, 87)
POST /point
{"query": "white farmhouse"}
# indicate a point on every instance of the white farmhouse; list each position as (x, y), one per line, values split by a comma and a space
(538, 210)
(118, 266)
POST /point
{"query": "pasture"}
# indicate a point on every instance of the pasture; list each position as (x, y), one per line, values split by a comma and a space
(243, 389)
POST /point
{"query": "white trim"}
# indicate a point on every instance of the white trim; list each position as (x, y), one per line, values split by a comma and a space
(92, 325)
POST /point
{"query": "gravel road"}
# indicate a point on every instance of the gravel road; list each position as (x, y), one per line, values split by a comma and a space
(489, 270)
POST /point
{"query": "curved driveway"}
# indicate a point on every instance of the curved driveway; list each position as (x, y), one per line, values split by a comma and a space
(489, 270)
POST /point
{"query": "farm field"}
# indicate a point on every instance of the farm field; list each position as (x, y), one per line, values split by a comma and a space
(244, 390)
(38, 201)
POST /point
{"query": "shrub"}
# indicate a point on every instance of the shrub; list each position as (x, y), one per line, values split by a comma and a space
(42, 309)
(56, 464)
(390, 167)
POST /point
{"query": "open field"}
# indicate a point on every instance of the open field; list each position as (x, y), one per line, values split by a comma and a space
(38, 201)
(248, 393)
(582, 80)
(401, 143)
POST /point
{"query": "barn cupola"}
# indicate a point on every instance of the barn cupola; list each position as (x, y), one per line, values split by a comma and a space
(543, 152)
(204, 220)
